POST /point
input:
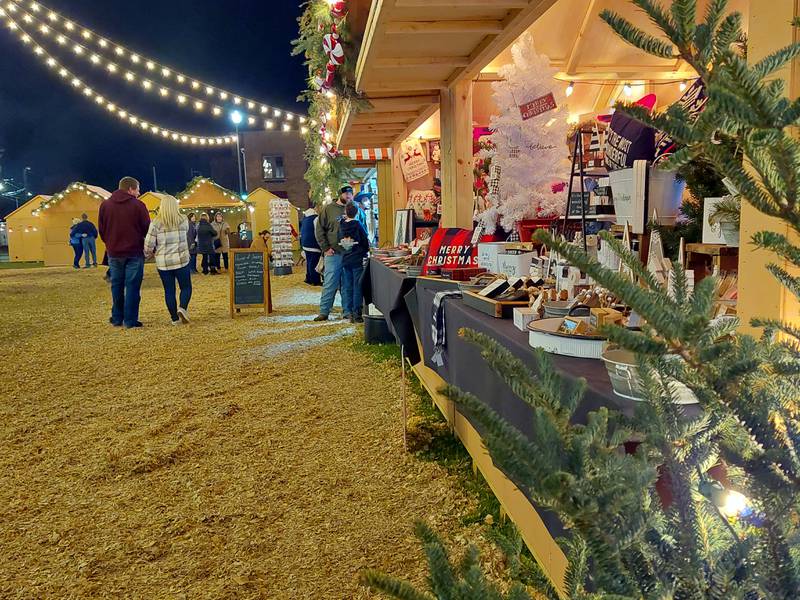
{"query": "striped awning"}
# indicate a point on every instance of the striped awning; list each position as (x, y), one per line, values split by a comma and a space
(370, 154)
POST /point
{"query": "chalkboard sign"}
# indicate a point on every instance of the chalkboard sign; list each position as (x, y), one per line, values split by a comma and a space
(575, 204)
(250, 283)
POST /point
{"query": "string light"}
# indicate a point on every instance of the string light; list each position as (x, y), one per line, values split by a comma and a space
(627, 89)
(682, 86)
(100, 100)
(570, 89)
(151, 65)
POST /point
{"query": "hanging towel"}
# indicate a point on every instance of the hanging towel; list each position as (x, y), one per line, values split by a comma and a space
(439, 332)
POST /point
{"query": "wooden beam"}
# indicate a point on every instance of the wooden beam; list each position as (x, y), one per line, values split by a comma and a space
(385, 117)
(626, 76)
(390, 84)
(514, 25)
(456, 145)
(430, 27)
(423, 116)
(398, 62)
(402, 102)
(385, 202)
(375, 30)
(577, 44)
(456, 4)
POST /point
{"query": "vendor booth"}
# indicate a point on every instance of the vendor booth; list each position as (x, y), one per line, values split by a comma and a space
(261, 199)
(24, 232)
(152, 200)
(203, 195)
(56, 216)
(492, 121)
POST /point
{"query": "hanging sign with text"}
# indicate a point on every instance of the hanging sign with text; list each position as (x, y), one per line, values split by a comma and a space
(537, 107)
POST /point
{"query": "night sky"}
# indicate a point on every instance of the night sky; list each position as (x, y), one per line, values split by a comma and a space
(242, 46)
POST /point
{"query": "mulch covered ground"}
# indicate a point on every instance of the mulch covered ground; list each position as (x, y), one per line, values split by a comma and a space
(248, 458)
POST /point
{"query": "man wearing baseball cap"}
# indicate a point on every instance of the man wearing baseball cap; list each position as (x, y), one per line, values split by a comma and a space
(328, 237)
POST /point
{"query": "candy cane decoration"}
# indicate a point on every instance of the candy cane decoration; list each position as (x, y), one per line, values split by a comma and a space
(333, 48)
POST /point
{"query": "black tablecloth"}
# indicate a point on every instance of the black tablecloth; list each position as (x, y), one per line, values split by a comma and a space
(386, 289)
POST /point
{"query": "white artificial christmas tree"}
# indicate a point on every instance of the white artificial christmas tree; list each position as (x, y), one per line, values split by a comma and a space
(532, 154)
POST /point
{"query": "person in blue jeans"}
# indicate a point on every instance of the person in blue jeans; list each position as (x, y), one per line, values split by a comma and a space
(353, 238)
(168, 241)
(327, 232)
(123, 224)
(88, 233)
(76, 243)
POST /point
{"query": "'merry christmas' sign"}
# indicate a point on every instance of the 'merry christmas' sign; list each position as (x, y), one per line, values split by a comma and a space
(539, 106)
(451, 248)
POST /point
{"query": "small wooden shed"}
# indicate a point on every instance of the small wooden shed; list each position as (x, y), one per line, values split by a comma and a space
(56, 215)
(24, 232)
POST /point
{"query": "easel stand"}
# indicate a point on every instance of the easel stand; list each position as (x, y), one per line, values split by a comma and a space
(250, 283)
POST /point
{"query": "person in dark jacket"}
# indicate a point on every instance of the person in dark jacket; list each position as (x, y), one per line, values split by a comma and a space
(310, 246)
(123, 224)
(88, 233)
(206, 234)
(192, 239)
(76, 243)
(353, 239)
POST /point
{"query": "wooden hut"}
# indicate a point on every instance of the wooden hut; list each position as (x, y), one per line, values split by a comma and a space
(56, 215)
(24, 232)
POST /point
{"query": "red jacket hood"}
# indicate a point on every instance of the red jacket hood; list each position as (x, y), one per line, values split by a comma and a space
(120, 196)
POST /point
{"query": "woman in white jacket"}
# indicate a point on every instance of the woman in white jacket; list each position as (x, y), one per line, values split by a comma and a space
(167, 241)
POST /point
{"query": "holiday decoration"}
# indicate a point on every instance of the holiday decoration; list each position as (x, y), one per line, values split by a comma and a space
(281, 230)
(333, 49)
(529, 136)
(412, 160)
(338, 9)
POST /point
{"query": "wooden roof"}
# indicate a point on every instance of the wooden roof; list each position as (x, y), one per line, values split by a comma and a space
(413, 48)
(26, 209)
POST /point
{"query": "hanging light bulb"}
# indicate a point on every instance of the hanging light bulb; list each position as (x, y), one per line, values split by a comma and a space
(570, 89)
(627, 89)
(682, 86)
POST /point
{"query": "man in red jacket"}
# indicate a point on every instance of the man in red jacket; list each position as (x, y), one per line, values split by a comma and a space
(123, 224)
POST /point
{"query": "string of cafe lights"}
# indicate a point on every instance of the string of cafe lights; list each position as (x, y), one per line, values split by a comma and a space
(53, 22)
(627, 87)
(112, 107)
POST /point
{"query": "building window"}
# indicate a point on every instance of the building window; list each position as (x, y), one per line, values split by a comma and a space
(272, 168)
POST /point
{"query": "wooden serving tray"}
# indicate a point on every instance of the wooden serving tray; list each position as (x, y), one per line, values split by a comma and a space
(499, 309)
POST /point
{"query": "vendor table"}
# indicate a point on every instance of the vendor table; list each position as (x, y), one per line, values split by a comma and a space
(386, 288)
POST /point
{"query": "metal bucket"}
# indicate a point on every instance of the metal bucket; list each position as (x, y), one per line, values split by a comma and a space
(624, 376)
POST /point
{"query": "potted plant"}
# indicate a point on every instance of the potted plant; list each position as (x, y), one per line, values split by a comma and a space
(728, 215)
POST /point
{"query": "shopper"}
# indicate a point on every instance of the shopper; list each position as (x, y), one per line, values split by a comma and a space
(327, 232)
(88, 233)
(76, 242)
(191, 238)
(123, 224)
(222, 244)
(206, 234)
(353, 238)
(168, 241)
(308, 241)
(263, 242)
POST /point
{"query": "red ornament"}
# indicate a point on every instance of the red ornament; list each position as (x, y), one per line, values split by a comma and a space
(333, 48)
(338, 9)
(330, 73)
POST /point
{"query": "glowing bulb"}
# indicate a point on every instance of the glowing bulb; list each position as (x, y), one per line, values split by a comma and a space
(12, 26)
(302, 119)
(165, 72)
(570, 89)
(51, 62)
(102, 43)
(164, 92)
(63, 72)
(269, 124)
(119, 51)
(35, 7)
(682, 86)
(95, 58)
(78, 49)
(223, 95)
(289, 117)
(87, 35)
(146, 84)
(734, 504)
(627, 89)
(251, 120)
(69, 25)
(304, 130)
(287, 127)
(251, 105)
(277, 113)
(52, 16)
(44, 29)
(112, 68)
(76, 82)
(130, 76)
(61, 39)
(38, 50)
(209, 90)
(264, 109)
(175, 136)
(217, 111)
(181, 78)
(181, 99)
(184, 139)
(237, 100)
(195, 85)
(27, 18)
(150, 65)
(135, 59)
(198, 105)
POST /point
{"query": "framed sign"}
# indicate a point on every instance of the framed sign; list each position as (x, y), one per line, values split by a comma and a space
(250, 281)
(538, 106)
(575, 204)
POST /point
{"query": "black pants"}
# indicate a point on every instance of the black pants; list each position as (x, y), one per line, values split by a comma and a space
(224, 256)
(209, 262)
(312, 260)
(193, 262)
(78, 253)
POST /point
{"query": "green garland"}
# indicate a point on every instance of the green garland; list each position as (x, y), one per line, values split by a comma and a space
(325, 173)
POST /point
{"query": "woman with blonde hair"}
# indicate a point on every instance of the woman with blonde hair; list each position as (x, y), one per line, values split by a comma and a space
(167, 240)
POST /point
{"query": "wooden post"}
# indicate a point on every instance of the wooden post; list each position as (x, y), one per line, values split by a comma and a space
(385, 202)
(760, 294)
(456, 145)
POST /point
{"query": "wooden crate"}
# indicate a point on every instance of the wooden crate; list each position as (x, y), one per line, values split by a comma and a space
(494, 308)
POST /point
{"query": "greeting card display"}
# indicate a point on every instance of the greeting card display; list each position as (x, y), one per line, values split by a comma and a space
(413, 161)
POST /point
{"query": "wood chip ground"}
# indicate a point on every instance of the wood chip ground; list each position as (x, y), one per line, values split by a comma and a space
(247, 458)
